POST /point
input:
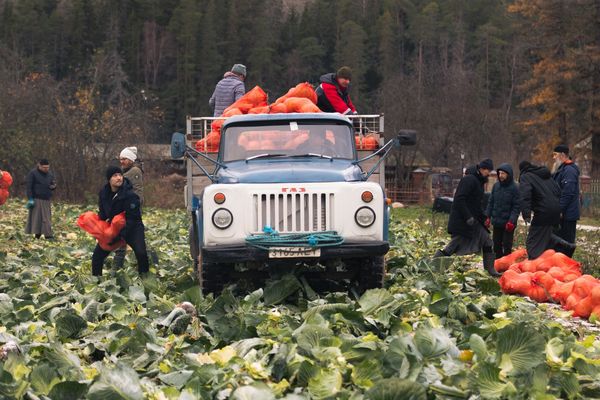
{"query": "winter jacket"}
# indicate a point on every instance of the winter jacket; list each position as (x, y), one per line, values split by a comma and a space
(467, 204)
(135, 176)
(540, 194)
(125, 199)
(228, 91)
(567, 178)
(331, 97)
(40, 185)
(503, 205)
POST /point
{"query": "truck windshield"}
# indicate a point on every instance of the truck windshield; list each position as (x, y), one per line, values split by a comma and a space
(291, 139)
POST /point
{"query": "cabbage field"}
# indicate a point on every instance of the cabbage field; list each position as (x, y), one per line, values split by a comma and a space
(441, 329)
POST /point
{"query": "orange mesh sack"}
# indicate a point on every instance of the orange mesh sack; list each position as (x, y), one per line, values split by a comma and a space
(278, 108)
(503, 263)
(3, 196)
(254, 98)
(5, 180)
(209, 143)
(101, 230)
(300, 104)
(259, 110)
(304, 89)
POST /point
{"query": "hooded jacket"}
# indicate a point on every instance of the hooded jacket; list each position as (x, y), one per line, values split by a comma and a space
(228, 91)
(331, 97)
(540, 195)
(503, 205)
(567, 178)
(467, 204)
(113, 203)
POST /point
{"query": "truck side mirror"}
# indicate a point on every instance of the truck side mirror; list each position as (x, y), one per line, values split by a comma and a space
(407, 137)
(177, 145)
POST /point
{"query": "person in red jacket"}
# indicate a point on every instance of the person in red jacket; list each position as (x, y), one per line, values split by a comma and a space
(333, 92)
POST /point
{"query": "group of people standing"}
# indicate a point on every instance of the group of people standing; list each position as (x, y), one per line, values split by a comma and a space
(123, 192)
(548, 202)
(333, 91)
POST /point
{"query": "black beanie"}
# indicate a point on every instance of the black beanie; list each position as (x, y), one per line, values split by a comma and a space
(523, 165)
(111, 170)
(344, 72)
(486, 164)
(562, 148)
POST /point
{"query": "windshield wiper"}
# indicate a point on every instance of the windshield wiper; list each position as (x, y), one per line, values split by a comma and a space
(265, 155)
(312, 155)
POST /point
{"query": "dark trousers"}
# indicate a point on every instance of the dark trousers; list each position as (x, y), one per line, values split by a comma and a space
(567, 231)
(133, 237)
(539, 239)
(503, 241)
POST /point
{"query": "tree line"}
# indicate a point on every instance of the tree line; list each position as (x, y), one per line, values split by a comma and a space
(500, 78)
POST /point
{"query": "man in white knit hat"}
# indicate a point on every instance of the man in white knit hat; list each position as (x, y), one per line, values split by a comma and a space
(134, 175)
(131, 171)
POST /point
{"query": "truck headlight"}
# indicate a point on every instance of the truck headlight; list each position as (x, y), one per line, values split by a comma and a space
(364, 217)
(222, 218)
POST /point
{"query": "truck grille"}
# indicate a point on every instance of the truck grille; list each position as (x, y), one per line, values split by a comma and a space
(293, 212)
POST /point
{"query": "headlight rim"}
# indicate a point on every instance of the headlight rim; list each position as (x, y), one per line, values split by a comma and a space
(356, 217)
(215, 213)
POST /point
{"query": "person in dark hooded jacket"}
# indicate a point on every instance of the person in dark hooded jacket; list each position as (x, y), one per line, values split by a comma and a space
(467, 219)
(503, 210)
(567, 178)
(116, 197)
(333, 92)
(540, 194)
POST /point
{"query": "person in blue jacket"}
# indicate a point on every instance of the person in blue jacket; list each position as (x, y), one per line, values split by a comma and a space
(567, 178)
(503, 210)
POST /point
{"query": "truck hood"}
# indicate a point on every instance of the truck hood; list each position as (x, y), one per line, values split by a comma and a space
(278, 171)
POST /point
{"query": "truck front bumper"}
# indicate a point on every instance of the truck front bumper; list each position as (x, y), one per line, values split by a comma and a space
(243, 253)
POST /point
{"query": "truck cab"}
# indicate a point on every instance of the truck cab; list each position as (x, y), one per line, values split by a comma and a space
(288, 190)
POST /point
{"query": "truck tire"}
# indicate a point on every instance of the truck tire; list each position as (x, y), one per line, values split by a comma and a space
(370, 272)
(194, 251)
(213, 277)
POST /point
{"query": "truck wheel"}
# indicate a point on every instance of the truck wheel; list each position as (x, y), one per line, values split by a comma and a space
(194, 251)
(370, 272)
(213, 277)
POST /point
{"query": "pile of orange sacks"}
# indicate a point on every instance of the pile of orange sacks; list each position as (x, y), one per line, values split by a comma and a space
(101, 230)
(552, 277)
(5, 181)
(301, 98)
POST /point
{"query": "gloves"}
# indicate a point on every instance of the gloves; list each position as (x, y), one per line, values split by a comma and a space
(509, 226)
(471, 221)
(30, 204)
(487, 222)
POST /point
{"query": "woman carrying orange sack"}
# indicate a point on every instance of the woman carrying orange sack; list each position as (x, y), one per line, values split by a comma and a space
(116, 197)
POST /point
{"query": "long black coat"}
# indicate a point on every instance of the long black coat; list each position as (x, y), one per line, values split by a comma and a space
(111, 204)
(40, 185)
(467, 203)
(503, 205)
(540, 194)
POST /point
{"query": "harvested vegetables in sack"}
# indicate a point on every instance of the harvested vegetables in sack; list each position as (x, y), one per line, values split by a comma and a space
(5, 180)
(209, 143)
(3, 196)
(304, 89)
(516, 256)
(254, 98)
(300, 105)
(101, 230)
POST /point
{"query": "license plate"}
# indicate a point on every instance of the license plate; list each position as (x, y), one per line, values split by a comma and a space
(293, 252)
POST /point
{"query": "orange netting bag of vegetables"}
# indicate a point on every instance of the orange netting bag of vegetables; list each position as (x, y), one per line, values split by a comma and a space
(101, 230)
(5, 180)
(303, 89)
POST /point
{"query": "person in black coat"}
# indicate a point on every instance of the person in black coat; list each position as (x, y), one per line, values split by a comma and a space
(503, 210)
(567, 177)
(540, 196)
(467, 219)
(116, 197)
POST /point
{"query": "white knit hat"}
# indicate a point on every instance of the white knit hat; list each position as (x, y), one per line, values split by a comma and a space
(129, 153)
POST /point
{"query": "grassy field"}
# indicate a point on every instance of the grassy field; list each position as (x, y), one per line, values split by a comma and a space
(439, 329)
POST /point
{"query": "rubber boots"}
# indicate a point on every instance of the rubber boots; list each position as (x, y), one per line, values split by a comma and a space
(488, 264)
(562, 242)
